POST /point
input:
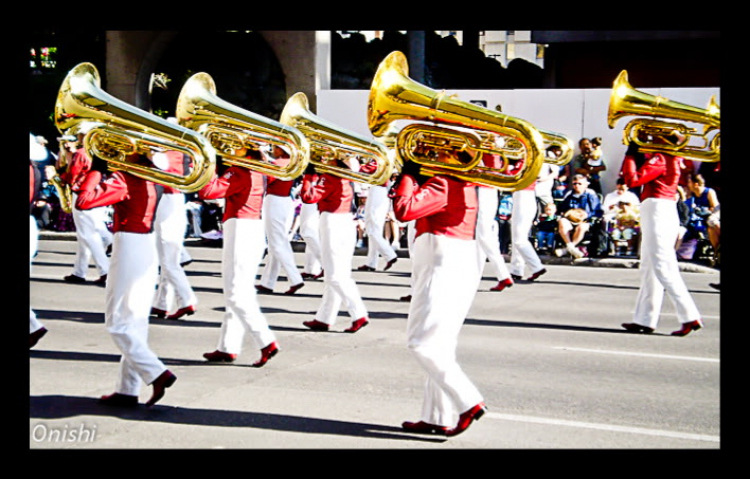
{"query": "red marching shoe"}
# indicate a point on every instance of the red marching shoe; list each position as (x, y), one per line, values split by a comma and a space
(160, 384)
(267, 353)
(357, 325)
(390, 263)
(159, 313)
(316, 325)
(637, 328)
(294, 288)
(536, 275)
(687, 328)
(187, 310)
(220, 357)
(424, 428)
(36, 336)
(466, 418)
(506, 283)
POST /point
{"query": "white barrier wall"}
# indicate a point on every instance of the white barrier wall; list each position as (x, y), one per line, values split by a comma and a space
(576, 113)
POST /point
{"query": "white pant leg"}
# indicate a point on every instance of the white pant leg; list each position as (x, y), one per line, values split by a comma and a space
(128, 296)
(446, 274)
(522, 217)
(88, 232)
(309, 229)
(337, 239)
(194, 210)
(660, 271)
(376, 211)
(487, 237)
(278, 214)
(34, 323)
(170, 225)
(244, 243)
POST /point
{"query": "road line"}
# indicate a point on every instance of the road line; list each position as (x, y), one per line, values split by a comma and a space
(648, 355)
(605, 427)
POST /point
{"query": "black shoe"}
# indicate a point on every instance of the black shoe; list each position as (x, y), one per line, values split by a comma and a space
(637, 328)
(36, 336)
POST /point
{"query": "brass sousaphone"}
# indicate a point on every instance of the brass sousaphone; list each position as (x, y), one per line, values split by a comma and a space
(653, 111)
(419, 121)
(229, 127)
(329, 142)
(115, 130)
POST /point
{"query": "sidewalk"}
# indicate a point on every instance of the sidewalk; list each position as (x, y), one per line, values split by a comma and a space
(404, 253)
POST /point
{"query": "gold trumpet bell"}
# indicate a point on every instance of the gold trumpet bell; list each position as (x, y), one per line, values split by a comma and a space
(654, 132)
(229, 128)
(116, 131)
(330, 143)
(419, 122)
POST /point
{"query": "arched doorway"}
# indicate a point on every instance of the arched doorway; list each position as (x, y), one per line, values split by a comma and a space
(243, 66)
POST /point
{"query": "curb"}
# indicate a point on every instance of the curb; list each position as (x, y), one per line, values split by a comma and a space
(299, 247)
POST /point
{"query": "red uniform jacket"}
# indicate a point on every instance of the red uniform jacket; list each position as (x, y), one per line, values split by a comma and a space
(134, 199)
(658, 175)
(243, 190)
(79, 165)
(179, 163)
(331, 193)
(277, 187)
(442, 206)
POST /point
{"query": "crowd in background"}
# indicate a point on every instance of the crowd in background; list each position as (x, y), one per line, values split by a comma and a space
(612, 225)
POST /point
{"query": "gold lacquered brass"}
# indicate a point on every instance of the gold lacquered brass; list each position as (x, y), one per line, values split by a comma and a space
(229, 127)
(330, 142)
(418, 121)
(627, 101)
(115, 130)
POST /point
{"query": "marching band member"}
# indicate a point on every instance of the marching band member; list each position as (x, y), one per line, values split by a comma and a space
(487, 237)
(658, 176)
(376, 211)
(278, 215)
(92, 235)
(522, 218)
(132, 275)
(170, 224)
(244, 242)
(445, 275)
(333, 196)
(309, 229)
(38, 152)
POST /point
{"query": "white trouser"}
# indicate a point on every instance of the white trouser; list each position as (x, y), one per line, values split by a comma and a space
(128, 295)
(93, 238)
(487, 237)
(338, 237)
(659, 268)
(170, 225)
(376, 210)
(34, 323)
(522, 217)
(244, 243)
(278, 215)
(309, 229)
(446, 273)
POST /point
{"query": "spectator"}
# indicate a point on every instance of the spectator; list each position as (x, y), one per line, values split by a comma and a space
(683, 213)
(504, 212)
(624, 227)
(593, 165)
(615, 197)
(359, 219)
(572, 168)
(546, 228)
(702, 201)
(579, 209)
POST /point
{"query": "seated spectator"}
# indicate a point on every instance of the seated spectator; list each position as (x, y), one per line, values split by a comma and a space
(625, 226)
(702, 202)
(619, 194)
(683, 213)
(546, 228)
(593, 165)
(579, 209)
(714, 232)
(359, 218)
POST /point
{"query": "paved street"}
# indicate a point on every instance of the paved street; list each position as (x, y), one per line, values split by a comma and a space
(555, 367)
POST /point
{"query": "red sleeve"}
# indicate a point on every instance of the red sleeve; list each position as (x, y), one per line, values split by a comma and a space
(80, 164)
(94, 192)
(411, 202)
(310, 191)
(649, 171)
(216, 188)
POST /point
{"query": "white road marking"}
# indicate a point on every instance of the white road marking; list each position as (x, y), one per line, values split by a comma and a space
(605, 427)
(648, 355)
